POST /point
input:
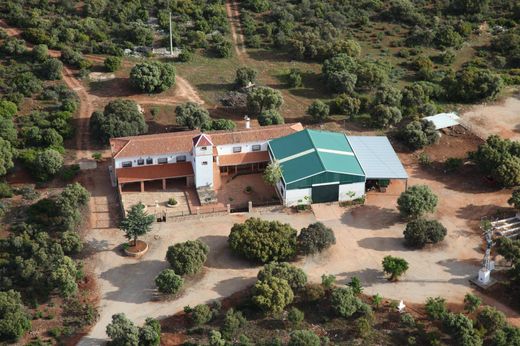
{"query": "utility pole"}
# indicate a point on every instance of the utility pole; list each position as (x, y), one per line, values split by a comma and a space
(171, 38)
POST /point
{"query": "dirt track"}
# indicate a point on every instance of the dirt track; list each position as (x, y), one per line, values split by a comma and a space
(233, 15)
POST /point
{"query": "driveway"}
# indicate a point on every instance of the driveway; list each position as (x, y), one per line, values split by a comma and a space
(365, 234)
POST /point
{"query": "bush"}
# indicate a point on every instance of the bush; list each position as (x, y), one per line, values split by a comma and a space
(120, 118)
(260, 99)
(152, 77)
(491, 320)
(14, 320)
(47, 164)
(40, 52)
(296, 277)
(471, 302)
(187, 258)
(270, 117)
(315, 238)
(386, 116)
(245, 76)
(461, 329)
(347, 105)
(112, 63)
(5, 190)
(395, 266)
(71, 242)
(452, 164)
(201, 314)
(419, 232)
(168, 282)
(222, 124)
(436, 308)
(272, 295)
(417, 201)
(294, 78)
(328, 281)
(150, 333)
(304, 338)
(318, 111)
(233, 321)
(344, 302)
(295, 316)
(51, 69)
(314, 292)
(263, 241)
(6, 157)
(122, 331)
(473, 84)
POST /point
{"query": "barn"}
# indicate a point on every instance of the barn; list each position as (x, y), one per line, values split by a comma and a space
(321, 166)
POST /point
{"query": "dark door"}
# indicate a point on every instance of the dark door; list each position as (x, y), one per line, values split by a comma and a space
(325, 193)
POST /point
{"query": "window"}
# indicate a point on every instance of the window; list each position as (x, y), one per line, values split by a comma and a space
(126, 164)
(181, 158)
(149, 161)
(256, 147)
(162, 160)
(237, 149)
(140, 162)
(203, 148)
(204, 163)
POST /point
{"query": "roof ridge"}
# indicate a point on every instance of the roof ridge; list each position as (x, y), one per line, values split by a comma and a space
(315, 149)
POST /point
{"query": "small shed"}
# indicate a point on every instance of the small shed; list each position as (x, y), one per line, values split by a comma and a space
(444, 120)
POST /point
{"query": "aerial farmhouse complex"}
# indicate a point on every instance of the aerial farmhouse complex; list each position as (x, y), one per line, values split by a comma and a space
(316, 166)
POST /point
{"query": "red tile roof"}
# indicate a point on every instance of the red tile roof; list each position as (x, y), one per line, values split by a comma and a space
(202, 140)
(242, 159)
(174, 142)
(154, 172)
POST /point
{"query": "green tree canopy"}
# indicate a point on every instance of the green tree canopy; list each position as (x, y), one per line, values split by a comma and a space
(273, 173)
(14, 320)
(136, 223)
(296, 277)
(261, 99)
(187, 258)
(168, 282)
(245, 76)
(344, 301)
(318, 110)
(193, 116)
(270, 117)
(419, 232)
(315, 238)
(272, 295)
(122, 331)
(304, 338)
(152, 76)
(6, 156)
(417, 201)
(395, 267)
(418, 134)
(47, 164)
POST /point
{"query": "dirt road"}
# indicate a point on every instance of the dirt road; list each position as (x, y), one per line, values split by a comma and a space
(233, 15)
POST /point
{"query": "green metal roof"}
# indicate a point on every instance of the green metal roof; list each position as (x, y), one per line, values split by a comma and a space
(309, 152)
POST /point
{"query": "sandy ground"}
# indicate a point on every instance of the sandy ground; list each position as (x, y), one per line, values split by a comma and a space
(502, 118)
(233, 15)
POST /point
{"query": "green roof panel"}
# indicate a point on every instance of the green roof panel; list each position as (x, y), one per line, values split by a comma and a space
(347, 164)
(290, 145)
(329, 140)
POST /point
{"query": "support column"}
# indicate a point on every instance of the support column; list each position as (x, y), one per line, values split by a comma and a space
(142, 186)
(164, 184)
(120, 186)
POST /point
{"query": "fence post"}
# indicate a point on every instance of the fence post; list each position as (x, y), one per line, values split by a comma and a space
(250, 207)
(198, 210)
(228, 208)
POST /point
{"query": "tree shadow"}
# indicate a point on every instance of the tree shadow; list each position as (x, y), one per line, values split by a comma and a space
(368, 277)
(220, 87)
(88, 341)
(226, 287)
(134, 281)
(370, 217)
(383, 244)
(116, 87)
(220, 256)
(269, 55)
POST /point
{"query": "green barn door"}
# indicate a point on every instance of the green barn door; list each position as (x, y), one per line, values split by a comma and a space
(325, 193)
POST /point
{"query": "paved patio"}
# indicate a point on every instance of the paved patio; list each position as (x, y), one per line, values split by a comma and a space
(156, 201)
(233, 190)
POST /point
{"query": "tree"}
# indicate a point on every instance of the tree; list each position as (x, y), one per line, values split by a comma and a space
(272, 295)
(263, 241)
(295, 316)
(6, 156)
(168, 282)
(388, 95)
(150, 333)
(315, 238)
(347, 105)
(187, 258)
(14, 320)
(192, 116)
(119, 118)
(233, 321)
(51, 69)
(471, 302)
(8, 109)
(201, 314)
(344, 302)
(436, 308)
(223, 124)
(394, 266)
(473, 84)
(8, 130)
(47, 164)
(40, 52)
(370, 75)
(515, 199)
(386, 116)
(508, 336)
(461, 329)
(152, 77)
(318, 111)
(491, 320)
(342, 82)
(296, 277)
(418, 134)
(245, 76)
(469, 6)
(260, 99)
(419, 232)
(112, 63)
(136, 223)
(122, 331)
(304, 338)
(417, 201)
(294, 78)
(273, 173)
(71, 242)
(26, 83)
(270, 117)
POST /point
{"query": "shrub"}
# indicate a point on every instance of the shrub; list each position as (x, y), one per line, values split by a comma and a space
(407, 320)
(295, 316)
(514, 200)
(150, 333)
(71, 242)
(6, 157)
(344, 302)
(355, 284)
(418, 134)
(419, 232)
(112, 63)
(471, 302)
(192, 116)
(223, 124)
(122, 331)
(386, 116)
(394, 266)
(119, 118)
(461, 329)
(314, 292)
(436, 308)
(304, 338)
(328, 281)
(172, 201)
(263, 241)
(315, 238)
(270, 117)
(152, 77)
(318, 111)
(473, 84)
(272, 295)
(296, 277)
(417, 201)
(47, 164)
(294, 78)
(347, 105)
(14, 320)
(51, 69)
(452, 164)
(201, 314)
(5, 190)
(168, 282)
(233, 321)
(245, 76)
(216, 339)
(491, 320)
(40, 52)
(187, 258)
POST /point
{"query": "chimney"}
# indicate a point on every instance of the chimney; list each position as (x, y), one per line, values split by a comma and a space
(248, 122)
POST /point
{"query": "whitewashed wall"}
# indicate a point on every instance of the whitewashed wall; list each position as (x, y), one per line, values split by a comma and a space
(171, 159)
(246, 147)
(348, 192)
(295, 197)
(203, 172)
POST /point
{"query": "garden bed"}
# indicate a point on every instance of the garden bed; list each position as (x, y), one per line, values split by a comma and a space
(137, 250)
